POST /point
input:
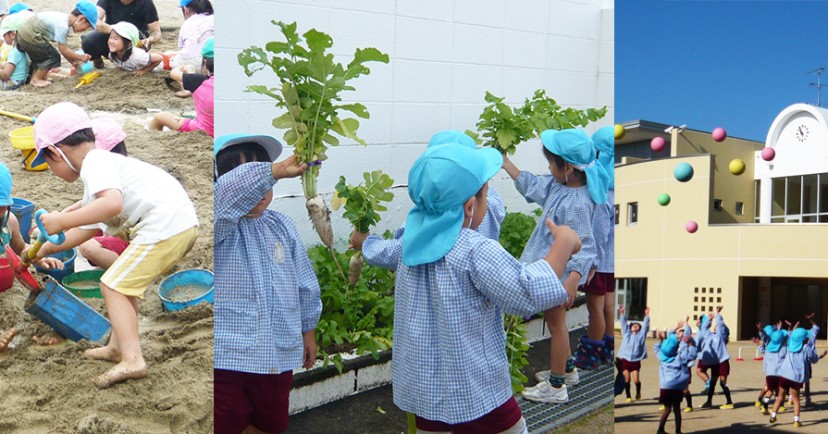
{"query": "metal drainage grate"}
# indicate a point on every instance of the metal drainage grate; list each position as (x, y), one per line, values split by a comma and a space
(592, 392)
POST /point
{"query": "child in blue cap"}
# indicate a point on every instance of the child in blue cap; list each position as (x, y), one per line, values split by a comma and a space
(600, 287)
(792, 369)
(716, 357)
(675, 356)
(806, 387)
(452, 287)
(633, 350)
(267, 300)
(568, 196)
(773, 348)
(37, 34)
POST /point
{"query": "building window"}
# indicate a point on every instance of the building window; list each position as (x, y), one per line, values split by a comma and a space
(632, 294)
(740, 208)
(797, 199)
(617, 214)
(632, 213)
(756, 195)
(717, 205)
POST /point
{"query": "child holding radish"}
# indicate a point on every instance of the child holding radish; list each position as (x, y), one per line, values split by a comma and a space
(267, 298)
(569, 195)
(452, 287)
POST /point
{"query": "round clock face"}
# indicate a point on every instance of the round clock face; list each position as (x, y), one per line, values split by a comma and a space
(801, 132)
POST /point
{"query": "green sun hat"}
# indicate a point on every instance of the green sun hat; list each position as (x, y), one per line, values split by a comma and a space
(207, 48)
(127, 30)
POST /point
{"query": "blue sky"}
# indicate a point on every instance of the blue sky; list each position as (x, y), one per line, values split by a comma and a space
(733, 64)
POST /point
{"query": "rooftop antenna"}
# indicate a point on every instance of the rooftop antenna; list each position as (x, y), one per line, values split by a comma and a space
(818, 84)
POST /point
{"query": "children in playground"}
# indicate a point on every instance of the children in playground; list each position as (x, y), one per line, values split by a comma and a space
(119, 193)
(125, 53)
(800, 350)
(675, 356)
(569, 197)
(202, 100)
(265, 320)
(36, 35)
(633, 350)
(716, 358)
(451, 280)
(14, 64)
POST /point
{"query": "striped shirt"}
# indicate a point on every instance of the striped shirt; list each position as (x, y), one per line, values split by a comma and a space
(449, 345)
(565, 206)
(266, 293)
(603, 230)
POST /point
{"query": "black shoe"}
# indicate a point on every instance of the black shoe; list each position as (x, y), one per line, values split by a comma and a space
(661, 431)
(707, 404)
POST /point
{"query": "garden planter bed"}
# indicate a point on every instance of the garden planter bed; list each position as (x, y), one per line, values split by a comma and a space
(322, 385)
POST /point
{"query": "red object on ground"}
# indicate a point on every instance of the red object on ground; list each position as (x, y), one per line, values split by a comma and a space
(22, 273)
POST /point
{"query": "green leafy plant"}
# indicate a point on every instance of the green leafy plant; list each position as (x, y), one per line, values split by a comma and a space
(310, 87)
(503, 127)
(514, 233)
(362, 202)
(361, 317)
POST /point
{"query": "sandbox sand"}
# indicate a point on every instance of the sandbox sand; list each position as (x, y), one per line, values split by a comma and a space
(49, 389)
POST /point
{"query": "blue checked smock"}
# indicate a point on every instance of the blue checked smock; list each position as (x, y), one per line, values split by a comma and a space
(565, 206)
(633, 345)
(675, 375)
(720, 340)
(603, 230)
(449, 346)
(266, 293)
(792, 366)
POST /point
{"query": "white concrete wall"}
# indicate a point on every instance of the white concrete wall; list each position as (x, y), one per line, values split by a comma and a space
(445, 54)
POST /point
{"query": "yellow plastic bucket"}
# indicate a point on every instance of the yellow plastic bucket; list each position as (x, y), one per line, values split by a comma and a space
(23, 139)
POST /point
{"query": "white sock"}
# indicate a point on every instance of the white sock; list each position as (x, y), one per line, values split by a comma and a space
(773, 414)
(796, 418)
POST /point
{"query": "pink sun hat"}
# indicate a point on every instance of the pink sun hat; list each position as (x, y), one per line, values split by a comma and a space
(56, 123)
(108, 133)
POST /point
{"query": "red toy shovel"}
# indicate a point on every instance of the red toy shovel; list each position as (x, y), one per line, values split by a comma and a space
(21, 267)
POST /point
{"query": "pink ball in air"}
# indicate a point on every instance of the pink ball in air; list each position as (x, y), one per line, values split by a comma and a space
(768, 153)
(719, 134)
(657, 144)
(691, 226)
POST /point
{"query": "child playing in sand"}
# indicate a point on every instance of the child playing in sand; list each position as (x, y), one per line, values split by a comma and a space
(266, 293)
(674, 374)
(37, 33)
(792, 369)
(568, 196)
(124, 197)
(600, 287)
(197, 27)
(202, 100)
(453, 283)
(633, 350)
(125, 53)
(14, 66)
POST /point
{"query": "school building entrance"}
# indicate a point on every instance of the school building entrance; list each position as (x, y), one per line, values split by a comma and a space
(770, 299)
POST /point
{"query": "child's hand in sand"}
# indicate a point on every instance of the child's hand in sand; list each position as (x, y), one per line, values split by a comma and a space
(288, 168)
(6, 338)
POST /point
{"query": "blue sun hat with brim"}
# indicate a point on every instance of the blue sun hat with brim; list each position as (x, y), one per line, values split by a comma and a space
(5, 186)
(575, 147)
(18, 7)
(448, 137)
(796, 339)
(185, 3)
(776, 340)
(604, 141)
(207, 49)
(88, 10)
(669, 348)
(439, 183)
(768, 330)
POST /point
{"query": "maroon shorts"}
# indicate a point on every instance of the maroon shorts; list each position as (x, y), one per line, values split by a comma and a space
(788, 384)
(242, 399)
(670, 396)
(600, 284)
(497, 420)
(629, 366)
(115, 244)
(702, 367)
(772, 381)
(724, 368)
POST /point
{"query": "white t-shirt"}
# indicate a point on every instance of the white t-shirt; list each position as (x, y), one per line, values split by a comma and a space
(155, 205)
(137, 60)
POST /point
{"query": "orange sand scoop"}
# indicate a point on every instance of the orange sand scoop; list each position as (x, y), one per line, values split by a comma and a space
(88, 78)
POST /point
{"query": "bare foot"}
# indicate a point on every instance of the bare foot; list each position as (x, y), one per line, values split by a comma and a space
(48, 338)
(6, 338)
(121, 372)
(107, 353)
(40, 83)
(183, 94)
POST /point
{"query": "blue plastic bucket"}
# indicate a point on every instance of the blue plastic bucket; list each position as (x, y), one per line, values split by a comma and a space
(67, 314)
(23, 210)
(186, 288)
(68, 259)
